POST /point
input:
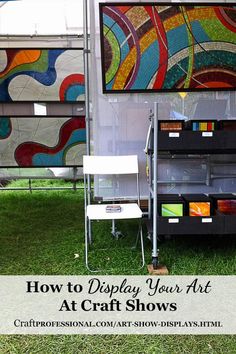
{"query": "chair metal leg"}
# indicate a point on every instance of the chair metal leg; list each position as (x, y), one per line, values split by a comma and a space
(89, 232)
(140, 237)
(113, 227)
(114, 232)
(88, 241)
(142, 246)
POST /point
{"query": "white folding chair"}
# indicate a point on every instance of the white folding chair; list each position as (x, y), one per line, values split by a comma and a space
(111, 165)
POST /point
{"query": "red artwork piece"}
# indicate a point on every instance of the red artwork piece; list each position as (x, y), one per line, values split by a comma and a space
(227, 206)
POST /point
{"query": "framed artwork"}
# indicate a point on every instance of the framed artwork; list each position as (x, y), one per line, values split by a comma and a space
(152, 47)
(42, 141)
(41, 75)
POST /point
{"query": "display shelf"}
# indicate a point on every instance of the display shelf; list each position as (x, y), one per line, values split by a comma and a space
(194, 142)
(193, 225)
(230, 224)
(218, 139)
(229, 141)
(187, 225)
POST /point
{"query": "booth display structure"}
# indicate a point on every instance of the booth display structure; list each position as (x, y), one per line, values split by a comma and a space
(187, 143)
(113, 111)
(58, 107)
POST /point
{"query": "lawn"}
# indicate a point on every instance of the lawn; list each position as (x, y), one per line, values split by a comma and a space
(43, 233)
(114, 344)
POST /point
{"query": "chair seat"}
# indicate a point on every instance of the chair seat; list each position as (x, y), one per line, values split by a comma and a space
(128, 211)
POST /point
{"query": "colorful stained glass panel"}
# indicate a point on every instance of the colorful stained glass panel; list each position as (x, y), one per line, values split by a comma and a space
(41, 142)
(41, 75)
(168, 47)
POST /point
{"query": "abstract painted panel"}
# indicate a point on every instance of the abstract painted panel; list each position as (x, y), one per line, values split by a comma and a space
(41, 75)
(168, 47)
(41, 142)
(199, 209)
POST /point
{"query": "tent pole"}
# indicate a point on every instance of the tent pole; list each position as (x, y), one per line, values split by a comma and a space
(86, 78)
(86, 73)
(155, 260)
(87, 98)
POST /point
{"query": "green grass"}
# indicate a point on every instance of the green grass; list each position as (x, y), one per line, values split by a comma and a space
(41, 232)
(118, 344)
(114, 344)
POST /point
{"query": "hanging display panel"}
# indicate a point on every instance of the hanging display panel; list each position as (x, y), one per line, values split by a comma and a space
(42, 142)
(168, 47)
(41, 75)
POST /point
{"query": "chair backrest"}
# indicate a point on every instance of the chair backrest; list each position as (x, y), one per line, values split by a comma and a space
(110, 165)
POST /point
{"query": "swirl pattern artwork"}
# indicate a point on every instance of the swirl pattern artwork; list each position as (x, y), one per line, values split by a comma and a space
(41, 75)
(168, 47)
(42, 141)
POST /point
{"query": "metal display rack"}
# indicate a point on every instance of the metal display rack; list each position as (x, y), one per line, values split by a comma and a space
(162, 143)
(64, 108)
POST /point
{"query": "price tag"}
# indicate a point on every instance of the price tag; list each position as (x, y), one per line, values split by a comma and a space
(207, 134)
(173, 221)
(206, 220)
(173, 135)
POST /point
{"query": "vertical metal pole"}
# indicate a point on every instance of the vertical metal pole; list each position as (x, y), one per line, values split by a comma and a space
(30, 186)
(74, 178)
(87, 98)
(208, 172)
(183, 106)
(86, 74)
(155, 155)
(113, 227)
(150, 167)
(85, 221)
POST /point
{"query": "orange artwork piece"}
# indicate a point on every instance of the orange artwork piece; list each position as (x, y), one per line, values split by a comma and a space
(170, 126)
(199, 208)
(22, 57)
